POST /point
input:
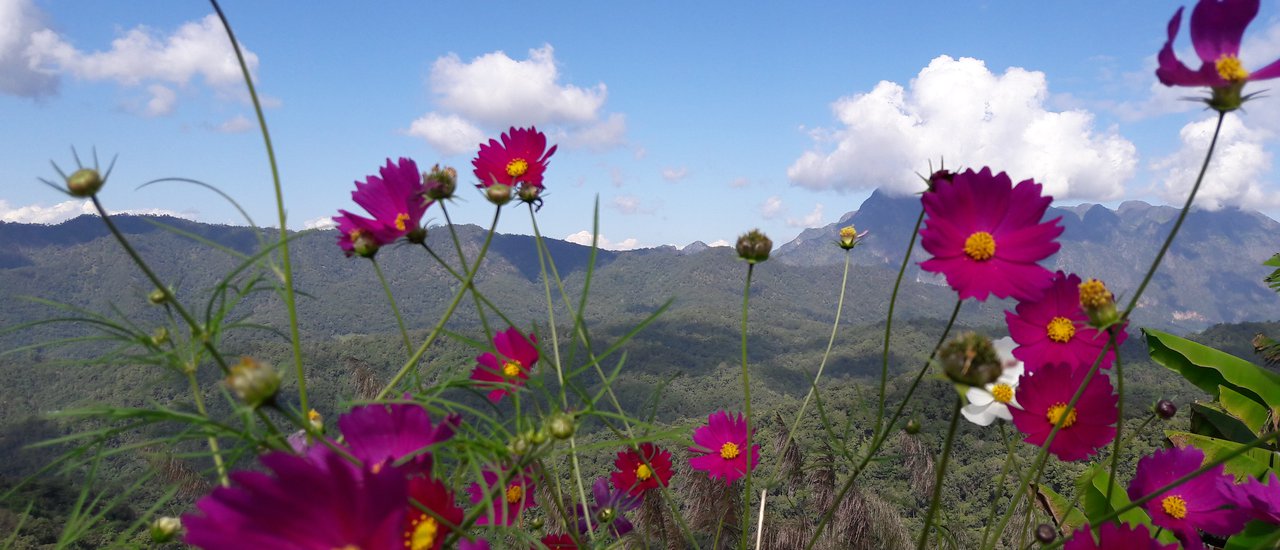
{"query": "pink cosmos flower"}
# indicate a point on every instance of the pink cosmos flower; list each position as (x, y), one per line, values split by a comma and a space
(1217, 26)
(1262, 501)
(520, 158)
(1115, 536)
(1207, 502)
(986, 236)
(355, 230)
(509, 372)
(383, 434)
(396, 199)
(721, 447)
(642, 471)
(1044, 395)
(515, 497)
(422, 531)
(1055, 329)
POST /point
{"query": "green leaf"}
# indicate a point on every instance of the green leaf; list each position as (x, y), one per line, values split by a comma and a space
(1243, 408)
(1058, 506)
(1209, 368)
(1256, 534)
(1254, 462)
(1210, 420)
(1094, 497)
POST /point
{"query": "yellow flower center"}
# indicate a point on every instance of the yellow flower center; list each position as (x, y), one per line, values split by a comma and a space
(980, 246)
(1174, 506)
(1230, 68)
(1094, 294)
(517, 167)
(347, 547)
(423, 536)
(514, 494)
(355, 234)
(400, 221)
(1002, 393)
(643, 473)
(1055, 413)
(511, 369)
(729, 451)
(1060, 330)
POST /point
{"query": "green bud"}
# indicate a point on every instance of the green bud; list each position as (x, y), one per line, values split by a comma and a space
(440, 183)
(970, 359)
(520, 445)
(364, 245)
(160, 336)
(253, 382)
(537, 523)
(561, 426)
(84, 182)
(754, 246)
(913, 426)
(417, 235)
(529, 193)
(498, 194)
(539, 437)
(164, 529)
(158, 296)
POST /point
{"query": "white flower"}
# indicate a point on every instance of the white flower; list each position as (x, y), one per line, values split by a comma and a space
(992, 401)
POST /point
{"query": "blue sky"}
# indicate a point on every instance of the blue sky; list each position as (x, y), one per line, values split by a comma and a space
(688, 120)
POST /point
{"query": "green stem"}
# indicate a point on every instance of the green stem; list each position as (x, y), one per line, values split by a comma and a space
(404, 334)
(942, 472)
(457, 245)
(1004, 474)
(439, 328)
(286, 270)
(213, 441)
(746, 397)
(888, 322)
(475, 292)
(1115, 447)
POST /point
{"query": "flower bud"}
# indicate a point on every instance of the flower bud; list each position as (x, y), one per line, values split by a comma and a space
(363, 244)
(1166, 409)
(605, 516)
(520, 445)
(164, 529)
(315, 420)
(1045, 533)
(913, 426)
(754, 247)
(529, 193)
(1225, 99)
(158, 296)
(160, 336)
(970, 359)
(417, 235)
(849, 237)
(84, 182)
(561, 426)
(253, 382)
(498, 194)
(939, 177)
(537, 523)
(440, 183)
(539, 437)
(1099, 304)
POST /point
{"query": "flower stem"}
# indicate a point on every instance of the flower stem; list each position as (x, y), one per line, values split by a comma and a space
(888, 322)
(942, 472)
(1115, 447)
(746, 397)
(1010, 457)
(392, 300)
(453, 233)
(213, 440)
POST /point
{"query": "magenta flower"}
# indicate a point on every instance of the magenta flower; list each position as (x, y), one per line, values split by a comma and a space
(607, 512)
(362, 236)
(1217, 27)
(520, 158)
(396, 199)
(638, 472)
(1262, 501)
(1207, 502)
(1115, 536)
(1055, 329)
(985, 235)
(1044, 395)
(422, 531)
(515, 497)
(721, 445)
(507, 373)
(383, 434)
(306, 505)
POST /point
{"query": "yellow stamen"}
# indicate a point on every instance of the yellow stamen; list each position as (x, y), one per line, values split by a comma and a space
(729, 451)
(643, 473)
(400, 221)
(1230, 68)
(1094, 294)
(1060, 330)
(424, 533)
(1055, 413)
(1002, 393)
(517, 167)
(514, 494)
(511, 369)
(1174, 506)
(980, 246)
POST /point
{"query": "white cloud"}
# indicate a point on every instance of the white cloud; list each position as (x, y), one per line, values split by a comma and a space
(324, 222)
(718, 243)
(675, 174)
(142, 57)
(1238, 173)
(235, 125)
(812, 219)
(739, 183)
(772, 207)
(958, 110)
(598, 136)
(63, 211)
(19, 74)
(449, 134)
(584, 238)
(629, 204)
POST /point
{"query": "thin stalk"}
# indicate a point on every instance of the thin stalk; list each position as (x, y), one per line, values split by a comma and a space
(404, 334)
(457, 298)
(746, 397)
(1004, 474)
(457, 245)
(213, 441)
(480, 296)
(888, 322)
(1115, 446)
(760, 522)
(942, 472)
(286, 270)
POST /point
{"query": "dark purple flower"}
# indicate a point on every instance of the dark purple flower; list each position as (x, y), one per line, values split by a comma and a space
(1206, 502)
(306, 505)
(385, 433)
(1262, 501)
(607, 512)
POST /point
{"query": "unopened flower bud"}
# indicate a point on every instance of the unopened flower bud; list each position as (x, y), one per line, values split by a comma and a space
(970, 359)
(849, 237)
(561, 426)
(1099, 304)
(164, 529)
(529, 193)
(520, 445)
(1166, 409)
(754, 246)
(605, 516)
(158, 296)
(84, 182)
(913, 426)
(498, 194)
(253, 382)
(1045, 533)
(440, 183)
(315, 420)
(537, 523)
(417, 235)
(160, 336)
(363, 244)
(539, 437)
(939, 177)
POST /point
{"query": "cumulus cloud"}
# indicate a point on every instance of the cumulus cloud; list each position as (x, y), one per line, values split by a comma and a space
(324, 222)
(772, 207)
(959, 110)
(812, 219)
(630, 204)
(718, 243)
(143, 57)
(675, 174)
(1237, 174)
(584, 238)
(493, 92)
(19, 71)
(63, 211)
